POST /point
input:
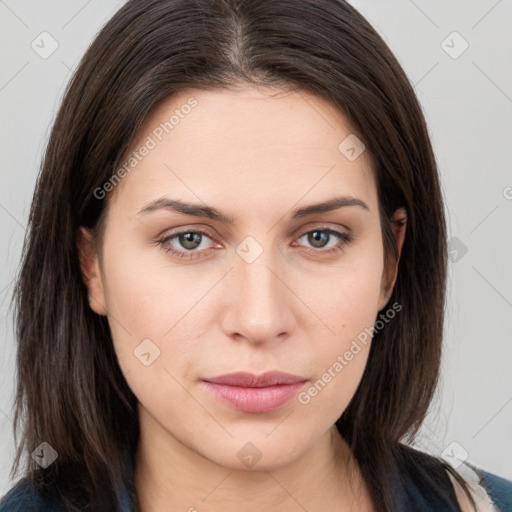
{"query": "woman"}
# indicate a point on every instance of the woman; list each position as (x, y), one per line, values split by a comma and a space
(233, 285)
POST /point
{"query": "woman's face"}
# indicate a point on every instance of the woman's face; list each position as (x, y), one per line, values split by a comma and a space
(267, 288)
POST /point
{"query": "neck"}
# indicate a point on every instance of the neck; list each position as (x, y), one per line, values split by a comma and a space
(172, 476)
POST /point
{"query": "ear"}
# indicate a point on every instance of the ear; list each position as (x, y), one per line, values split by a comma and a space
(399, 223)
(90, 268)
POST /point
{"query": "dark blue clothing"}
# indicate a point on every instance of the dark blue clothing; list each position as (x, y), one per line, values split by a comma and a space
(416, 481)
(499, 490)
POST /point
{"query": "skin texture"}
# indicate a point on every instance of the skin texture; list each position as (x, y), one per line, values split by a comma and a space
(257, 155)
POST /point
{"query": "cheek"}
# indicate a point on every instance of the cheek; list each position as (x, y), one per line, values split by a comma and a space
(348, 305)
(134, 298)
(339, 359)
(328, 395)
(347, 300)
(155, 314)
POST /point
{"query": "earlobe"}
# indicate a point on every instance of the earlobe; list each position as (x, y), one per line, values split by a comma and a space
(89, 266)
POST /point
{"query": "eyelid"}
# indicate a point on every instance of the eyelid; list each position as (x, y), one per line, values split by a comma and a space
(321, 226)
(188, 229)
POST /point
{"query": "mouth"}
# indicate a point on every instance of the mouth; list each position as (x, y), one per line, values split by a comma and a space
(255, 393)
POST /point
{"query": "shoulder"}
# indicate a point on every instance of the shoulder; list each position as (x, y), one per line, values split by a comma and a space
(24, 497)
(498, 489)
(490, 492)
(427, 476)
(420, 482)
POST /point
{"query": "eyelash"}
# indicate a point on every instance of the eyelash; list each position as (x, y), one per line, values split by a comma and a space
(344, 238)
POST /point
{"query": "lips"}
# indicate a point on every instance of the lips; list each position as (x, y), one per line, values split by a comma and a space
(249, 380)
(255, 393)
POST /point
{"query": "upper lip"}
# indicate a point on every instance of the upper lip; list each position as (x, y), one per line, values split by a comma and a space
(250, 380)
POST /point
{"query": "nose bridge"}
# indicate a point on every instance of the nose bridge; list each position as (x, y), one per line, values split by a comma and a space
(258, 282)
(261, 297)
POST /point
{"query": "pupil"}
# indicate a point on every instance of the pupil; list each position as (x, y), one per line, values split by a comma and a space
(190, 240)
(317, 236)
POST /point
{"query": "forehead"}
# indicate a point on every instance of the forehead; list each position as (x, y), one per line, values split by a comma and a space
(247, 146)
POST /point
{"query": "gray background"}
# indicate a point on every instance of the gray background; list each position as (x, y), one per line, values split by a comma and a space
(467, 100)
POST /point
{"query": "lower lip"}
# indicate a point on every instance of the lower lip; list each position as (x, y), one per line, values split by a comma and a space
(255, 399)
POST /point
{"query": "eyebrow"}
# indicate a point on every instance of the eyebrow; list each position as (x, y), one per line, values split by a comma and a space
(166, 203)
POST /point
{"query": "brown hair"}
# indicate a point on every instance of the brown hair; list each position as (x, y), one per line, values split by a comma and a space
(70, 385)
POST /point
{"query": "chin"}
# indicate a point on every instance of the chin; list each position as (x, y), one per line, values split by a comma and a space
(257, 453)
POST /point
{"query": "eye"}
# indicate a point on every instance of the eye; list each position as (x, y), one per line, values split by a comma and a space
(191, 241)
(320, 237)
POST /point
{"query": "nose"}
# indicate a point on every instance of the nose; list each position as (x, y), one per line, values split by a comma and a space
(260, 305)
